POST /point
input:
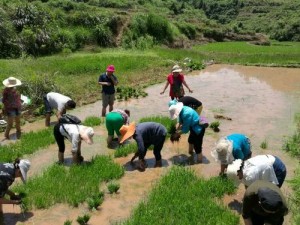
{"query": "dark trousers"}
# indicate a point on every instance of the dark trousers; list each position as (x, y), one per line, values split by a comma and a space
(280, 170)
(59, 138)
(261, 220)
(196, 140)
(158, 145)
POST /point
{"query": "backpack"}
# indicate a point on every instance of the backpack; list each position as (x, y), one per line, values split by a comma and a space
(69, 119)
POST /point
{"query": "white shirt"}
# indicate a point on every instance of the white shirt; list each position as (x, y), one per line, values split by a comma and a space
(71, 132)
(57, 101)
(259, 168)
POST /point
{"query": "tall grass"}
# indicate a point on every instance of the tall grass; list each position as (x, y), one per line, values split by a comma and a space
(164, 120)
(182, 198)
(59, 184)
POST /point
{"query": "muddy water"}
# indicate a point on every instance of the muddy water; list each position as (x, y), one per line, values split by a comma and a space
(260, 101)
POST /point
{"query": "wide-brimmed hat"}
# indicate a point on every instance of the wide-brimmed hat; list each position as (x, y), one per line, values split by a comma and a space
(176, 68)
(24, 166)
(175, 110)
(173, 102)
(223, 151)
(12, 82)
(110, 68)
(127, 131)
(232, 170)
(87, 134)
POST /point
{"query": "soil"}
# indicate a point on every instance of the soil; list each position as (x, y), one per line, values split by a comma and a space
(261, 103)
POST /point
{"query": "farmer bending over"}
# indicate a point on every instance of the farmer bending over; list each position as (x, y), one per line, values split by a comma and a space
(231, 147)
(190, 102)
(59, 102)
(8, 173)
(145, 134)
(74, 133)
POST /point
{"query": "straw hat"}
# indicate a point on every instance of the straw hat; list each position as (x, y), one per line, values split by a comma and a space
(127, 131)
(176, 68)
(232, 170)
(24, 166)
(11, 82)
(175, 110)
(223, 151)
(87, 134)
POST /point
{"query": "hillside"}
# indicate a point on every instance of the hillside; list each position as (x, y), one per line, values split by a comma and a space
(46, 27)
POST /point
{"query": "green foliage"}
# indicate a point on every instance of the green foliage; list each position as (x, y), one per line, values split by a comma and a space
(68, 222)
(83, 220)
(29, 143)
(125, 93)
(215, 125)
(103, 35)
(264, 144)
(95, 200)
(113, 187)
(92, 121)
(182, 191)
(165, 121)
(58, 184)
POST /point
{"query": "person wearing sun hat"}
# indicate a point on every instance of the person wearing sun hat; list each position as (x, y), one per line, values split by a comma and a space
(108, 81)
(231, 147)
(176, 81)
(261, 167)
(11, 100)
(8, 173)
(145, 134)
(264, 203)
(189, 121)
(75, 134)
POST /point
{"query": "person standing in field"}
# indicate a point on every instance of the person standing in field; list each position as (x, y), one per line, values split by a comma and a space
(59, 102)
(114, 121)
(108, 81)
(264, 203)
(231, 147)
(176, 82)
(8, 173)
(12, 105)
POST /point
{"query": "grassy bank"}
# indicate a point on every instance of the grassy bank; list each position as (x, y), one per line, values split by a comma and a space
(77, 74)
(182, 198)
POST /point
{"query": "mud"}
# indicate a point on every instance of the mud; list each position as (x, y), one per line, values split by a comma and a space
(260, 101)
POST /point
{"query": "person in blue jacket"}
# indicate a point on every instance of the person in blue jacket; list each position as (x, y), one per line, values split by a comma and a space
(231, 147)
(145, 134)
(189, 121)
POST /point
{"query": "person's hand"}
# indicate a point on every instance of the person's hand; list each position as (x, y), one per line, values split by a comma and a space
(191, 91)
(175, 137)
(16, 199)
(162, 92)
(108, 84)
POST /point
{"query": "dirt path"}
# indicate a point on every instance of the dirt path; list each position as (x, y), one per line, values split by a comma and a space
(260, 104)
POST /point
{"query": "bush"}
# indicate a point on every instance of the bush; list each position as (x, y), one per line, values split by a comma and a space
(103, 35)
(159, 28)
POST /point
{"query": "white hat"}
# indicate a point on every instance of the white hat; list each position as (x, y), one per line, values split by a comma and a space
(87, 134)
(176, 68)
(24, 166)
(175, 110)
(11, 82)
(223, 151)
(232, 170)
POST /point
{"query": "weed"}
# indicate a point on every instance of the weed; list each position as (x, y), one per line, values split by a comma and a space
(68, 222)
(113, 187)
(83, 220)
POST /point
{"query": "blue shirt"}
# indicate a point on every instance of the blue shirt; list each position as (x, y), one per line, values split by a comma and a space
(107, 89)
(189, 119)
(241, 146)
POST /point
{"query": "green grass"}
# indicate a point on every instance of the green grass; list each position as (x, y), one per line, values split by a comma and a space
(278, 54)
(125, 150)
(28, 144)
(92, 121)
(166, 121)
(182, 198)
(59, 184)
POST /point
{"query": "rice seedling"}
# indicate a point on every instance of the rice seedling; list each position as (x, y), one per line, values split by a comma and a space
(125, 150)
(264, 144)
(95, 200)
(113, 187)
(164, 120)
(58, 184)
(182, 198)
(92, 121)
(68, 222)
(83, 220)
(215, 126)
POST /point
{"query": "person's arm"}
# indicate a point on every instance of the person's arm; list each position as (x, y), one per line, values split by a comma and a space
(166, 85)
(185, 84)
(114, 80)
(102, 82)
(12, 195)
(248, 222)
(141, 147)
(76, 141)
(223, 167)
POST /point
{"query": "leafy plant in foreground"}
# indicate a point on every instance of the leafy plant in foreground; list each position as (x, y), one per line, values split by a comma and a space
(113, 187)
(83, 220)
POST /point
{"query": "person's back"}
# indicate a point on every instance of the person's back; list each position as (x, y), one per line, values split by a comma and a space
(57, 101)
(241, 146)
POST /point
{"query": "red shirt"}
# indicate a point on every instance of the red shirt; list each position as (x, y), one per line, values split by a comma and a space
(176, 88)
(11, 99)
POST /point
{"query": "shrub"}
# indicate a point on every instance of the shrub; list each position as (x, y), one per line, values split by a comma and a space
(103, 35)
(113, 187)
(68, 222)
(83, 220)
